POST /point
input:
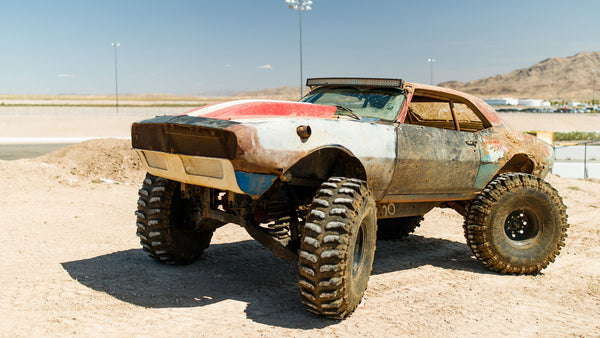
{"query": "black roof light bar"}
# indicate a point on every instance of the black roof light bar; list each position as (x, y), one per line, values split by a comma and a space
(315, 82)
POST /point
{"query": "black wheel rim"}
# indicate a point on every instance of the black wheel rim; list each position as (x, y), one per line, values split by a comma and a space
(522, 226)
(358, 251)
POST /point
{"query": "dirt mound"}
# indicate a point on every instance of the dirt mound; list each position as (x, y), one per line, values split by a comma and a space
(109, 159)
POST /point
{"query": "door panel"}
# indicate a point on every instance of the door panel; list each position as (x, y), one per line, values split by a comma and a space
(434, 161)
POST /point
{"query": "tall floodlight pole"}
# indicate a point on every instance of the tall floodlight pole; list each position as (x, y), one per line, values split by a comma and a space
(300, 5)
(431, 61)
(594, 88)
(116, 44)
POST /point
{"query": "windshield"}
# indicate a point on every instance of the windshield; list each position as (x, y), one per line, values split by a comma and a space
(379, 103)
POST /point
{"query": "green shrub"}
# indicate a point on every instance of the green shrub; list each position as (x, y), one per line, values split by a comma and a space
(576, 136)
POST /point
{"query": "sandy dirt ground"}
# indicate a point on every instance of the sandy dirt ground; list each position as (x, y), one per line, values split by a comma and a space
(73, 266)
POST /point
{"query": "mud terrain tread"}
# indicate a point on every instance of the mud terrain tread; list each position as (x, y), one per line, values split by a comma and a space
(324, 246)
(478, 227)
(155, 226)
(393, 229)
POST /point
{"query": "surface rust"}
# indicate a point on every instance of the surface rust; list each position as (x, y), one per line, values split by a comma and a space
(251, 156)
(501, 145)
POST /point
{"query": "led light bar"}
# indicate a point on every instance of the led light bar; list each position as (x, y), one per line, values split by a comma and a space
(354, 81)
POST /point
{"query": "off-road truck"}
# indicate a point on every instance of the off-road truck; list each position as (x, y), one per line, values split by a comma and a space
(356, 160)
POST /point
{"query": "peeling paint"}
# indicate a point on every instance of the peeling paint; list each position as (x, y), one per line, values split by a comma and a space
(254, 184)
(492, 151)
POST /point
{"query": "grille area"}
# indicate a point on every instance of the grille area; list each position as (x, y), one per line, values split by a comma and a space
(191, 140)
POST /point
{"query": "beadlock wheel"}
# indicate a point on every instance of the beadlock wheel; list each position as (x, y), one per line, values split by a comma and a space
(522, 227)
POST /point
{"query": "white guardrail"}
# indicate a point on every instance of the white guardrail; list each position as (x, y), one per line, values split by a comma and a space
(579, 160)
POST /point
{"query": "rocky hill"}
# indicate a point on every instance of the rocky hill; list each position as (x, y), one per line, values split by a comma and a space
(554, 78)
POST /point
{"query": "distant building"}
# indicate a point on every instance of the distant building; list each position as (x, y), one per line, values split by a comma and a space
(534, 103)
(505, 101)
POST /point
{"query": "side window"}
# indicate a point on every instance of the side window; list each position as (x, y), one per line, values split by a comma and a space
(430, 113)
(446, 114)
(467, 120)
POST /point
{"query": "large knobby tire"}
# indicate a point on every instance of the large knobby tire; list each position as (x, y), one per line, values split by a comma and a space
(337, 247)
(168, 226)
(517, 224)
(397, 228)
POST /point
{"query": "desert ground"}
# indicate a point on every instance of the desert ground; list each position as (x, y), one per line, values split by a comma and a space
(73, 264)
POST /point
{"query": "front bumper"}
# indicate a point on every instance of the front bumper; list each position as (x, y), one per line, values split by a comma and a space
(211, 172)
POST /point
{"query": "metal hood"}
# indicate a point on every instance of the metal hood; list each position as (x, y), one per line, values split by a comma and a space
(246, 109)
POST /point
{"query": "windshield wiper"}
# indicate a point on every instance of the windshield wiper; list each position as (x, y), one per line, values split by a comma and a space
(351, 113)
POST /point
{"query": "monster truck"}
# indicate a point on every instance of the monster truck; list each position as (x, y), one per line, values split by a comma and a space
(318, 181)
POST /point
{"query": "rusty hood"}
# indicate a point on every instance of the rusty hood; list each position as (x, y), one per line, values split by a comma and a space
(246, 109)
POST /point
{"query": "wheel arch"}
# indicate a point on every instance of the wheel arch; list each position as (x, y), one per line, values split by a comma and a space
(326, 162)
(520, 163)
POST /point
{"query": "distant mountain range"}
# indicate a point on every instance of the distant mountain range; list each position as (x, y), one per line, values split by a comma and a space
(554, 78)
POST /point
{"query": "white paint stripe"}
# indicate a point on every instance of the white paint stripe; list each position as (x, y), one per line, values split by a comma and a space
(219, 106)
(216, 107)
(51, 140)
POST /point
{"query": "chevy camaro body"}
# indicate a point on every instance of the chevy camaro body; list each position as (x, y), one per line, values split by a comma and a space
(356, 161)
(246, 146)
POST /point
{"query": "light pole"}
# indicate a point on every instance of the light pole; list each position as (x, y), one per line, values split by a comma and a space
(594, 88)
(431, 61)
(116, 44)
(300, 5)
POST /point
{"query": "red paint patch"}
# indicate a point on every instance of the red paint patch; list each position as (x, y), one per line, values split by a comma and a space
(257, 109)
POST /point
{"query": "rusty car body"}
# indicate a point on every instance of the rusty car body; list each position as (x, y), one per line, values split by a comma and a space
(263, 164)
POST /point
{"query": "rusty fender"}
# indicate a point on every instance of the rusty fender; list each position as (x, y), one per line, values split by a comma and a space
(272, 146)
(506, 150)
(185, 148)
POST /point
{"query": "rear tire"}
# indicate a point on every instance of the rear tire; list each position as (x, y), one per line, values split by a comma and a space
(517, 224)
(337, 247)
(397, 228)
(169, 227)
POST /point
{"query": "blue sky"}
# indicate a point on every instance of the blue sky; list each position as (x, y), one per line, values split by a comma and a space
(194, 47)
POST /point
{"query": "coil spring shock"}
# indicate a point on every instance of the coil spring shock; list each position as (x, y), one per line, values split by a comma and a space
(280, 214)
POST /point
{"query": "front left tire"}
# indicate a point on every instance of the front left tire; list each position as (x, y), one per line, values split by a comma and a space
(337, 247)
(169, 226)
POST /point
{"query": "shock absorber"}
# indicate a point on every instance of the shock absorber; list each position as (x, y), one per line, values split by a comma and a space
(279, 212)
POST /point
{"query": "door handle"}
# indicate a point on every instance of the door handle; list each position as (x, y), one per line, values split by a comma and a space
(471, 143)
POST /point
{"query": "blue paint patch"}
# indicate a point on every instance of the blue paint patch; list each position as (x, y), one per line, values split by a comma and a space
(485, 174)
(369, 119)
(254, 184)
